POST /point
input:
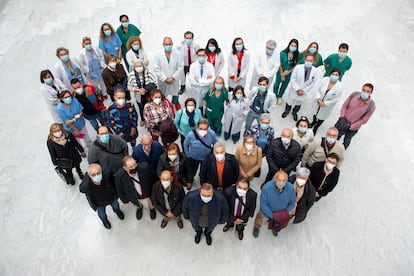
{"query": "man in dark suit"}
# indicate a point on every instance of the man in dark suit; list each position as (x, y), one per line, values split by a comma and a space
(242, 204)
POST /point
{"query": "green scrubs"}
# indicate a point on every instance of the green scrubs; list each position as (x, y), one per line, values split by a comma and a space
(132, 31)
(318, 62)
(215, 109)
(286, 65)
(332, 62)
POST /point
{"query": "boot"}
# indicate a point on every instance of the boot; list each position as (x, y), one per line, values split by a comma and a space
(287, 110)
(197, 237)
(295, 112)
(80, 173)
(313, 122)
(317, 125)
(69, 177)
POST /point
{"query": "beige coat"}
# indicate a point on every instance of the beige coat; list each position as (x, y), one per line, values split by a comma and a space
(315, 153)
(249, 163)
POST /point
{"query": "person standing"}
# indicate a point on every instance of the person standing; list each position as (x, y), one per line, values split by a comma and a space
(324, 175)
(67, 68)
(235, 114)
(249, 157)
(213, 104)
(124, 32)
(114, 77)
(302, 134)
(305, 194)
(187, 119)
(135, 52)
(238, 64)
(205, 208)
(50, 89)
(188, 49)
(110, 43)
(312, 49)
(215, 56)
(262, 132)
(148, 151)
(266, 64)
(339, 60)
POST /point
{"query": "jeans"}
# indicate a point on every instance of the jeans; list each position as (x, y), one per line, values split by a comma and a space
(207, 230)
(251, 116)
(95, 120)
(101, 209)
(348, 136)
(194, 166)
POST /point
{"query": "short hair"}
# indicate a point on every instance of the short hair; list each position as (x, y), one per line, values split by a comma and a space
(63, 93)
(123, 15)
(102, 127)
(172, 146)
(110, 57)
(189, 32)
(265, 116)
(343, 46)
(333, 155)
(190, 100)
(44, 73)
(74, 80)
(334, 129)
(166, 171)
(244, 180)
(203, 122)
(263, 78)
(206, 186)
(86, 38)
(219, 145)
(281, 172)
(271, 44)
(126, 159)
(247, 137)
(119, 90)
(303, 119)
(309, 55)
(132, 39)
(146, 135)
(94, 166)
(201, 50)
(61, 49)
(288, 129)
(303, 171)
(335, 70)
(369, 85)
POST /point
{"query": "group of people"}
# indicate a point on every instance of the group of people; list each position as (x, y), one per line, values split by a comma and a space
(302, 168)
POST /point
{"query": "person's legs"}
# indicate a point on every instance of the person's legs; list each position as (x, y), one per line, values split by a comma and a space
(194, 166)
(284, 86)
(101, 213)
(317, 125)
(251, 116)
(235, 137)
(277, 85)
(258, 223)
(348, 137)
(92, 119)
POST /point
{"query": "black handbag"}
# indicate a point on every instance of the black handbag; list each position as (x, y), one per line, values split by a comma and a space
(342, 124)
(64, 163)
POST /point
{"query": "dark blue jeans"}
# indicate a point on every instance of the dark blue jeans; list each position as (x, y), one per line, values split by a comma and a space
(207, 230)
(348, 136)
(101, 209)
(95, 120)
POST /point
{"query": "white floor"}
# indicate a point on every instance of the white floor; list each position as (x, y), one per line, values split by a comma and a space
(364, 227)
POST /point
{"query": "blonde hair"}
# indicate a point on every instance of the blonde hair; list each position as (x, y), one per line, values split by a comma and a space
(56, 127)
(131, 40)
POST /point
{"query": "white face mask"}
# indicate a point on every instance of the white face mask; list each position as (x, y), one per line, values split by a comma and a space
(57, 134)
(202, 133)
(165, 183)
(157, 100)
(112, 64)
(139, 69)
(172, 157)
(330, 166)
(120, 102)
(249, 147)
(79, 90)
(190, 108)
(300, 181)
(220, 157)
(241, 192)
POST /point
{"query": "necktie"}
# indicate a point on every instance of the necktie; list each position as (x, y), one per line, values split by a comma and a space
(189, 56)
(307, 73)
(239, 208)
(201, 71)
(174, 173)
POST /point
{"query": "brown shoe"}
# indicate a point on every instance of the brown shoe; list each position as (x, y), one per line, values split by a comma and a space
(164, 223)
(180, 224)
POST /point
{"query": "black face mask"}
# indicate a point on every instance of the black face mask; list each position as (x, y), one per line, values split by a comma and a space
(133, 171)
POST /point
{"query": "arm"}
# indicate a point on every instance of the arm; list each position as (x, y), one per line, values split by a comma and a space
(187, 142)
(51, 152)
(157, 68)
(293, 79)
(292, 201)
(245, 65)
(186, 207)
(264, 205)
(258, 164)
(363, 120)
(156, 204)
(179, 72)
(220, 61)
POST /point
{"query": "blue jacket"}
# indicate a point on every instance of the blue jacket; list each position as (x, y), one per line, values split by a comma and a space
(271, 200)
(156, 150)
(194, 149)
(218, 209)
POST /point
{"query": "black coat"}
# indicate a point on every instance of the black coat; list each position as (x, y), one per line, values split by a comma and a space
(125, 185)
(218, 209)
(249, 207)
(208, 171)
(305, 202)
(70, 150)
(85, 187)
(175, 199)
(280, 158)
(185, 174)
(317, 175)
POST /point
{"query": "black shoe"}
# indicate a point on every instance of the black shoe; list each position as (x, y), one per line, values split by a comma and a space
(153, 214)
(227, 227)
(139, 213)
(208, 239)
(275, 232)
(287, 110)
(295, 112)
(197, 237)
(80, 173)
(256, 232)
(133, 143)
(182, 89)
(241, 235)
(107, 224)
(120, 214)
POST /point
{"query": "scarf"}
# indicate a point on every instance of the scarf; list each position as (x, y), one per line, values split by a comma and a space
(138, 79)
(190, 115)
(60, 141)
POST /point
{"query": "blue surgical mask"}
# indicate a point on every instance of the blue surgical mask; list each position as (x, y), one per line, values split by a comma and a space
(308, 64)
(269, 52)
(333, 78)
(64, 58)
(201, 60)
(302, 129)
(239, 48)
(239, 96)
(135, 47)
(262, 88)
(104, 138)
(312, 50)
(125, 24)
(364, 95)
(67, 100)
(341, 55)
(206, 199)
(108, 32)
(48, 81)
(264, 126)
(280, 184)
(88, 47)
(212, 49)
(218, 86)
(97, 178)
(168, 48)
(285, 140)
(188, 41)
(292, 49)
(330, 140)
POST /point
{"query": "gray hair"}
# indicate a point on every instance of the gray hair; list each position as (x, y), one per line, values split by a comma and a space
(265, 116)
(219, 145)
(94, 166)
(147, 135)
(271, 44)
(203, 122)
(140, 62)
(303, 171)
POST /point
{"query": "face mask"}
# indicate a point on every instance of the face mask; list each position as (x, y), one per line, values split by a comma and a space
(139, 69)
(302, 129)
(300, 181)
(48, 81)
(135, 47)
(79, 90)
(218, 86)
(172, 157)
(280, 184)
(206, 199)
(112, 64)
(58, 134)
(165, 183)
(264, 126)
(125, 24)
(188, 41)
(241, 192)
(201, 60)
(97, 178)
(312, 50)
(333, 78)
(157, 100)
(190, 108)
(168, 48)
(269, 52)
(67, 100)
(249, 147)
(308, 64)
(212, 49)
(133, 171)
(341, 55)
(120, 102)
(364, 95)
(239, 96)
(104, 138)
(330, 140)
(239, 48)
(262, 88)
(88, 47)
(285, 140)
(202, 133)
(220, 157)
(108, 32)
(64, 58)
(292, 49)
(330, 166)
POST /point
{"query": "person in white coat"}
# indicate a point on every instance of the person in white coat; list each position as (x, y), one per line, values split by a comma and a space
(201, 76)
(135, 52)
(188, 49)
(266, 64)
(168, 67)
(238, 65)
(92, 63)
(215, 56)
(302, 80)
(50, 89)
(328, 92)
(235, 114)
(67, 69)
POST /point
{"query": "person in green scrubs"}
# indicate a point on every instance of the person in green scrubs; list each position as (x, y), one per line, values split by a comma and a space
(288, 60)
(213, 104)
(125, 31)
(339, 60)
(313, 49)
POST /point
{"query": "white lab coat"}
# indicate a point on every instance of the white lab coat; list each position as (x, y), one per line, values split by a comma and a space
(131, 58)
(164, 69)
(60, 73)
(218, 67)
(232, 115)
(232, 68)
(84, 63)
(266, 66)
(270, 100)
(330, 100)
(183, 49)
(199, 89)
(297, 82)
(51, 97)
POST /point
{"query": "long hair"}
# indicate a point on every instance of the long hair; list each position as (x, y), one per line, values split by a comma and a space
(296, 53)
(56, 127)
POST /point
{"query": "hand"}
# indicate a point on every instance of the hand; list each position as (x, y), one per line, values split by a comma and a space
(189, 186)
(282, 76)
(75, 133)
(169, 214)
(209, 77)
(242, 115)
(122, 135)
(238, 221)
(317, 194)
(142, 91)
(196, 79)
(300, 92)
(118, 60)
(133, 132)
(245, 175)
(83, 154)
